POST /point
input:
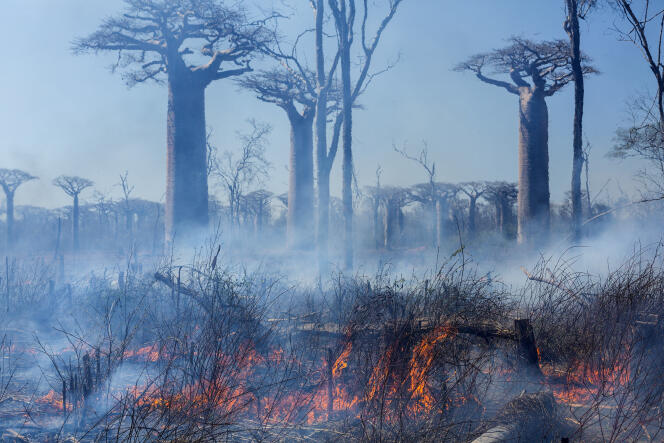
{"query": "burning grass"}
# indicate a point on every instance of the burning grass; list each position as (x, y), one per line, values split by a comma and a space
(199, 353)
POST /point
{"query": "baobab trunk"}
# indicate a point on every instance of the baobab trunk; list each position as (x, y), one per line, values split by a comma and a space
(186, 181)
(506, 217)
(376, 225)
(300, 222)
(10, 219)
(472, 212)
(533, 197)
(391, 222)
(75, 217)
(440, 221)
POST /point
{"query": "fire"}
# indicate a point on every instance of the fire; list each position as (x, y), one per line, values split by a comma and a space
(584, 383)
(52, 399)
(420, 366)
(342, 361)
(149, 353)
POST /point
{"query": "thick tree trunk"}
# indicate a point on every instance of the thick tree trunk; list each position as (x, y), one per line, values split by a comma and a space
(440, 221)
(323, 218)
(505, 217)
(377, 225)
(533, 198)
(472, 212)
(577, 162)
(10, 219)
(75, 217)
(391, 222)
(300, 220)
(186, 182)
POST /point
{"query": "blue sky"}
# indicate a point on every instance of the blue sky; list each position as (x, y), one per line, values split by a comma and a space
(66, 114)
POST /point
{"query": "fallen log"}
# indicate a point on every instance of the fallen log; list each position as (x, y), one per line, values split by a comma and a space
(528, 417)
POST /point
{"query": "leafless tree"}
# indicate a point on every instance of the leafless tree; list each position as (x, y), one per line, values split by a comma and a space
(236, 173)
(73, 186)
(472, 190)
(10, 180)
(428, 193)
(188, 43)
(293, 92)
(645, 137)
(549, 67)
(344, 13)
(127, 189)
(577, 9)
(325, 154)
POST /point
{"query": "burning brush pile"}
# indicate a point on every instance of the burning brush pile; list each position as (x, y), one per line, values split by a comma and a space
(201, 354)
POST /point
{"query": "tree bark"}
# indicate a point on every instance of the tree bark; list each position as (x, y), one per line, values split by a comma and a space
(347, 140)
(376, 224)
(574, 33)
(391, 222)
(440, 222)
(472, 212)
(300, 218)
(75, 218)
(323, 163)
(186, 182)
(10, 219)
(533, 197)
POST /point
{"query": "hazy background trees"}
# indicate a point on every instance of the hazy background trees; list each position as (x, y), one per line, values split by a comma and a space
(10, 180)
(73, 186)
(548, 65)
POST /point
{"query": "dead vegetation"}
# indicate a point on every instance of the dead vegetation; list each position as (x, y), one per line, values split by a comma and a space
(200, 353)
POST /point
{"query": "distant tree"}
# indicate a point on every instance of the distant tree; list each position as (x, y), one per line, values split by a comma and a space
(394, 199)
(257, 204)
(645, 137)
(375, 197)
(10, 180)
(293, 92)
(502, 195)
(548, 66)
(73, 186)
(188, 43)
(472, 190)
(429, 193)
(236, 173)
(127, 189)
(344, 13)
(577, 9)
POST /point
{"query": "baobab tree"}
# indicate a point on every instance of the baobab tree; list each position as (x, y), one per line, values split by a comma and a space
(394, 199)
(168, 40)
(502, 195)
(344, 13)
(293, 92)
(73, 186)
(472, 190)
(549, 68)
(10, 180)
